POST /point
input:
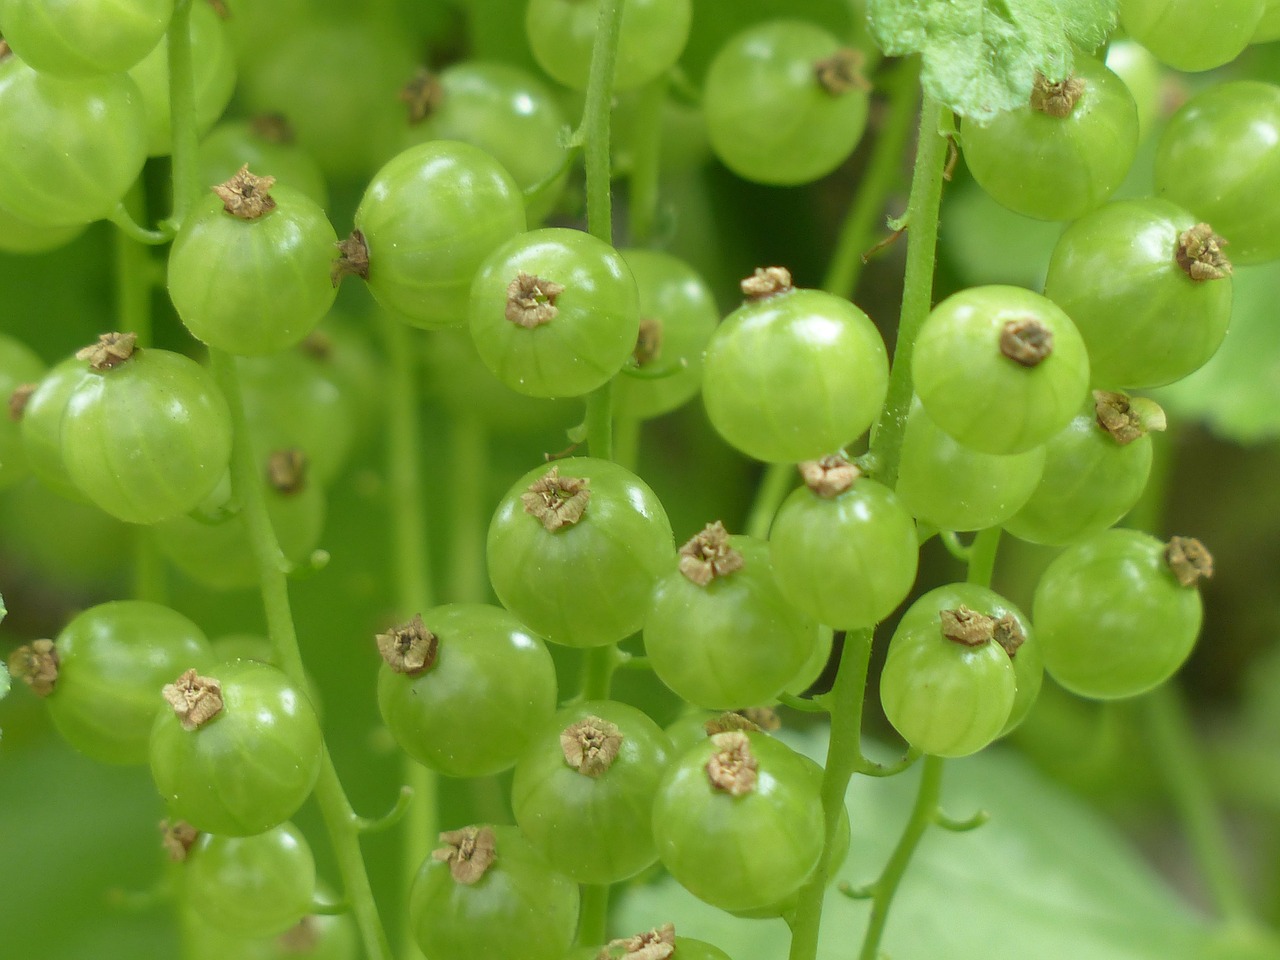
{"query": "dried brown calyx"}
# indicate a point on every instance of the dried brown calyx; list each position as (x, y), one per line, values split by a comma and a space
(830, 476)
(111, 350)
(409, 648)
(273, 128)
(1057, 98)
(591, 745)
(317, 345)
(1126, 418)
(1189, 560)
(557, 501)
(1026, 341)
(5, 50)
(422, 95)
(733, 768)
(177, 837)
(842, 72)
(352, 259)
(648, 341)
(246, 195)
(195, 699)
(220, 8)
(36, 665)
(657, 944)
(531, 300)
(1008, 633)
(967, 627)
(287, 471)
(1199, 254)
(708, 555)
(18, 400)
(469, 852)
(766, 282)
(302, 938)
(748, 720)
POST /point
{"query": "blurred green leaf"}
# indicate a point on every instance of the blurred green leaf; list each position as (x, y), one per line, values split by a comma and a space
(1046, 878)
(1237, 393)
(981, 56)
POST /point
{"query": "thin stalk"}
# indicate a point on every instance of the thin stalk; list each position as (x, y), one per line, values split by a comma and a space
(982, 557)
(646, 156)
(776, 483)
(182, 112)
(469, 465)
(880, 179)
(342, 823)
(917, 292)
(626, 440)
(412, 575)
(600, 422)
(1180, 759)
(593, 919)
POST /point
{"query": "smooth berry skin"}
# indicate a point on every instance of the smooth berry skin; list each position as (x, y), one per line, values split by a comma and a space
(592, 829)
(1028, 663)
(1144, 321)
(257, 286)
(587, 584)
(984, 399)
(944, 698)
(768, 117)
(249, 768)
(149, 439)
(19, 236)
(1112, 620)
(1057, 168)
(1089, 482)
(794, 376)
(848, 560)
(430, 217)
(734, 643)
(113, 659)
(746, 852)
(41, 427)
(69, 149)
(475, 711)
(1219, 157)
(83, 38)
(19, 366)
(1191, 35)
(521, 909)
(953, 487)
(257, 886)
(593, 332)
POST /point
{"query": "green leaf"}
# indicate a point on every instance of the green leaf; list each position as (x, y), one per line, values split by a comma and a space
(1045, 878)
(1237, 393)
(981, 56)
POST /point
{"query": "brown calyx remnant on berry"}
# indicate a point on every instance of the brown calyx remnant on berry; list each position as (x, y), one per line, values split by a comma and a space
(317, 345)
(195, 699)
(648, 341)
(1057, 98)
(36, 665)
(18, 400)
(1189, 560)
(246, 195)
(557, 501)
(531, 301)
(1008, 633)
(1126, 418)
(5, 50)
(1199, 254)
(352, 259)
(111, 350)
(469, 852)
(828, 477)
(273, 128)
(302, 938)
(733, 767)
(409, 648)
(1026, 341)
(766, 718)
(177, 837)
(729, 721)
(767, 282)
(967, 627)
(287, 471)
(591, 745)
(220, 8)
(422, 95)
(657, 944)
(842, 72)
(708, 555)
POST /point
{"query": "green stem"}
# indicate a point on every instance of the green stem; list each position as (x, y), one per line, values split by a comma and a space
(593, 920)
(133, 275)
(922, 814)
(469, 465)
(341, 820)
(646, 157)
(598, 666)
(596, 115)
(626, 441)
(917, 293)
(776, 483)
(982, 556)
(600, 422)
(409, 532)
(878, 182)
(182, 112)
(1173, 740)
